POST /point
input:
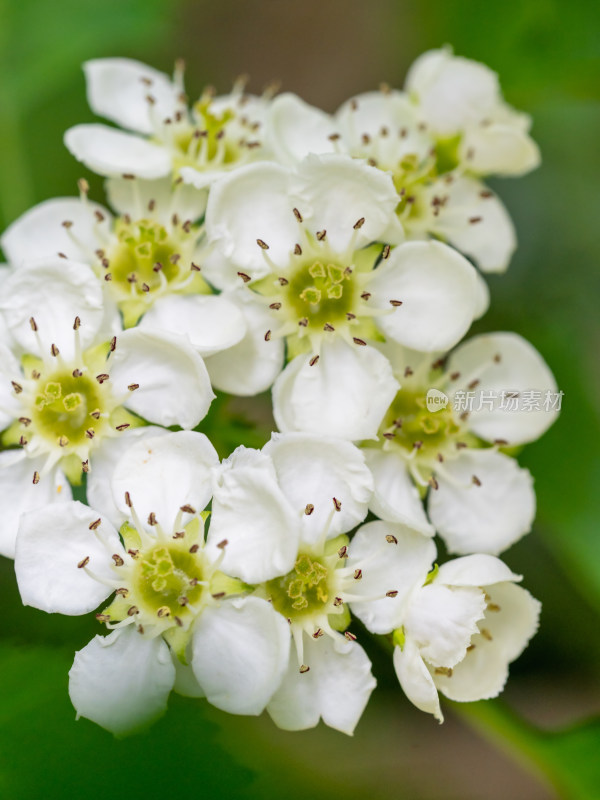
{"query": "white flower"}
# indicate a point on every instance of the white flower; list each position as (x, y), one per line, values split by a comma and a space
(434, 435)
(148, 258)
(435, 199)
(172, 602)
(461, 631)
(461, 102)
(282, 511)
(299, 240)
(73, 386)
(215, 135)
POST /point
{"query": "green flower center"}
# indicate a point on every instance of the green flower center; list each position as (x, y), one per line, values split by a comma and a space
(166, 580)
(321, 294)
(411, 424)
(66, 407)
(303, 592)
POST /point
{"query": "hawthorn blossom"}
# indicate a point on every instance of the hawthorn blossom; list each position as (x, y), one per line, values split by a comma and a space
(461, 102)
(176, 618)
(461, 631)
(435, 197)
(75, 389)
(162, 134)
(300, 241)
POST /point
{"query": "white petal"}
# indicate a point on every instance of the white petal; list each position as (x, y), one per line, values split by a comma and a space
(104, 460)
(387, 566)
(473, 220)
(54, 292)
(122, 681)
(186, 683)
(19, 494)
(395, 496)
(475, 570)
(251, 366)
(252, 203)
(174, 387)
(339, 191)
(484, 518)
(483, 296)
(252, 514)
(52, 541)
(163, 473)
(452, 92)
(295, 129)
(415, 679)
(133, 197)
(438, 291)
(110, 152)
(484, 670)
(118, 88)
(210, 322)
(499, 149)
(441, 621)
(345, 394)
(336, 688)
(10, 370)
(240, 652)
(315, 470)
(505, 363)
(40, 233)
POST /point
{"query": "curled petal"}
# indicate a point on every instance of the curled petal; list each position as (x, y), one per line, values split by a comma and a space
(113, 153)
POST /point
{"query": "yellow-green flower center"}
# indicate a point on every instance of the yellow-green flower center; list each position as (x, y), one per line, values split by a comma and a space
(410, 424)
(67, 407)
(303, 592)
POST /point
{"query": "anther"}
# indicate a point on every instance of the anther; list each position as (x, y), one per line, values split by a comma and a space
(309, 509)
(337, 504)
(195, 267)
(263, 245)
(246, 278)
(77, 373)
(359, 223)
(96, 524)
(128, 502)
(25, 421)
(358, 341)
(357, 574)
(338, 602)
(268, 336)
(440, 458)
(83, 563)
(152, 518)
(117, 559)
(486, 634)
(108, 277)
(297, 250)
(178, 622)
(350, 636)
(334, 137)
(194, 548)
(297, 214)
(33, 324)
(343, 552)
(223, 544)
(90, 433)
(179, 535)
(474, 220)
(497, 358)
(133, 553)
(313, 361)
(461, 445)
(283, 281)
(132, 611)
(303, 322)
(218, 595)
(103, 617)
(304, 669)
(163, 611)
(61, 255)
(386, 251)
(318, 633)
(329, 328)
(396, 303)
(501, 442)
(365, 295)
(63, 441)
(473, 384)
(350, 316)
(104, 376)
(476, 480)
(133, 386)
(17, 387)
(183, 601)
(389, 435)
(321, 235)
(174, 258)
(123, 592)
(365, 138)
(391, 539)
(113, 344)
(123, 427)
(35, 374)
(417, 445)
(76, 324)
(83, 185)
(275, 306)
(36, 478)
(447, 671)
(99, 216)
(54, 350)
(187, 509)
(493, 607)
(486, 194)
(470, 647)
(433, 483)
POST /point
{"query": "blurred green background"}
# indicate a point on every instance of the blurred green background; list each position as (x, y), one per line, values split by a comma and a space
(542, 739)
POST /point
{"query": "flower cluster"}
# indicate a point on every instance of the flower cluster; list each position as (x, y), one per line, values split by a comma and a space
(258, 242)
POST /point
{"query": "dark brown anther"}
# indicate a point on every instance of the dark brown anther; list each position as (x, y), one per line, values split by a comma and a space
(17, 387)
(113, 344)
(83, 563)
(174, 258)
(476, 480)
(133, 386)
(365, 295)
(128, 502)
(183, 600)
(497, 358)
(25, 421)
(194, 582)
(108, 276)
(493, 607)
(440, 458)
(103, 617)
(99, 216)
(473, 384)
(54, 350)
(297, 214)
(132, 611)
(223, 544)
(417, 445)
(303, 322)
(433, 483)
(133, 553)
(485, 194)
(129, 176)
(365, 138)
(77, 373)
(318, 633)
(268, 336)
(179, 534)
(195, 267)
(175, 220)
(350, 636)
(501, 442)
(104, 376)
(313, 361)
(461, 445)
(470, 648)
(275, 306)
(96, 524)
(36, 478)
(187, 509)
(218, 595)
(391, 539)
(117, 559)
(132, 278)
(486, 634)
(33, 324)
(329, 328)
(35, 374)
(61, 255)
(350, 316)
(263, 245)
(152, 518)
(338, 602)
(122, 592)
(408, 372)
(474, 220)
(343, 552)
(105, 263)
(283, 281)
(386, 251)
(246, 278)
(309, 509)
(455, 376)
(85, 465)
(359, 223)
(389, 435)
(358, 341)
(194, 548)
(297, 250)
(178, 622)
(334, 137)
(96, 414)
(304, 669)
(321, 235)
(357, 574)
(337, 504)
(396, 303)
(63, 441)
(145, 287)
